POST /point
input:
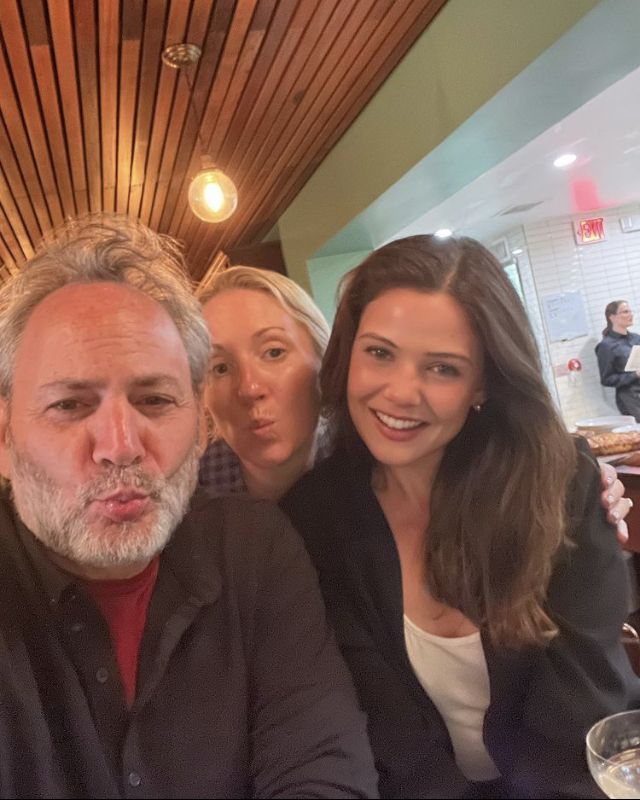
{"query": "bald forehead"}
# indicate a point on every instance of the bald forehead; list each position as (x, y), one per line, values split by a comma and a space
(91, 331)
(79, 312)
(81, 301)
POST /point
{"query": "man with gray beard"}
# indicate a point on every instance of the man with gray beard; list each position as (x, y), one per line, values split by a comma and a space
(153, 642)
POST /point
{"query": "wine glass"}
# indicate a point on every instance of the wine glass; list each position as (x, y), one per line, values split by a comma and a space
(613, 754)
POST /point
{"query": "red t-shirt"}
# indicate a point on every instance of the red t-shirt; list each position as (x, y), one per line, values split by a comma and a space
(124, 605)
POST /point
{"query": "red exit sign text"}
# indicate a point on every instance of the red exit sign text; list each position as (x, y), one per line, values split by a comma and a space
(589, 231)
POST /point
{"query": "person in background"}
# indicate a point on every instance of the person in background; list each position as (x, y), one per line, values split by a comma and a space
(613, 353)
(457, 533)
(154, 642)
(263, 396)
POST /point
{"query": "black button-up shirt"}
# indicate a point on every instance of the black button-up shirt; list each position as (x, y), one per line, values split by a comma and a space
(241, 691)
(613, 353)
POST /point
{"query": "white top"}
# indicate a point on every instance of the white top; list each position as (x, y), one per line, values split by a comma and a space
(453, 672)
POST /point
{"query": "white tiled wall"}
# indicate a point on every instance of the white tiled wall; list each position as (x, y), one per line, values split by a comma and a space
(604, 271)
(516, 241)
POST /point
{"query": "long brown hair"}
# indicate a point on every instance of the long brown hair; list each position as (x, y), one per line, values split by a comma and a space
(498, 504)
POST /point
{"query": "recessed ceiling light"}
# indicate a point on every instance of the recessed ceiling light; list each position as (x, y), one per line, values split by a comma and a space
(565, 160)
(517, 251)
(443, 233)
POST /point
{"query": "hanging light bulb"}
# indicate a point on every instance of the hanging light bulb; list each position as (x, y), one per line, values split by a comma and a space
(213, 196)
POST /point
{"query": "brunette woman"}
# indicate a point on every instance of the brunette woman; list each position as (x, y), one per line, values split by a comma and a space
(613, 353)
(464, 557)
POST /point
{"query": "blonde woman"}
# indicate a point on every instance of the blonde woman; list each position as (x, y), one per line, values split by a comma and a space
(267, 342)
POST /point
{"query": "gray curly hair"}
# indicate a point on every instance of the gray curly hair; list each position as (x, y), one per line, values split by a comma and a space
(102, 248)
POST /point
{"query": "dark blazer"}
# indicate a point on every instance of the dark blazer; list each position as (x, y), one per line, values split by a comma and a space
(542, 700)
(241, 690)
(612, 353)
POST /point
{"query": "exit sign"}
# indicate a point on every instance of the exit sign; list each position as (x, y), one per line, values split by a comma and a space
(589, 231)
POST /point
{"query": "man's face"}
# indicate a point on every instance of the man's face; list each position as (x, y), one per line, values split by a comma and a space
(100, 440)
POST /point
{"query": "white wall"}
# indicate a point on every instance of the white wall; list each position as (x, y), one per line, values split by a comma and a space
(516, 241)
(604, 271)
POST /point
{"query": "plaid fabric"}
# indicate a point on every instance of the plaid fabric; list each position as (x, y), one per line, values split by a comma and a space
(220, 472)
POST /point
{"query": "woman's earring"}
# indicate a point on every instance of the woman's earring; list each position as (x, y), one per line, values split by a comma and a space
(477, 407)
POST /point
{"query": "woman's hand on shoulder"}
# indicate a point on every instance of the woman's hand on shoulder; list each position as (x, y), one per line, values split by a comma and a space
(614, 501)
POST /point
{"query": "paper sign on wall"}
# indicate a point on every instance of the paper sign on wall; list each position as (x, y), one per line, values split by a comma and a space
(565, 316)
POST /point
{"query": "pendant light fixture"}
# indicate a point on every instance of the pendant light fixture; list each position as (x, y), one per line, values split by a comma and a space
(213, 196)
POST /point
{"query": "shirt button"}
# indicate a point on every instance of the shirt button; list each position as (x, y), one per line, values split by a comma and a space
(76, 627)
(134, 779)
(102, 675)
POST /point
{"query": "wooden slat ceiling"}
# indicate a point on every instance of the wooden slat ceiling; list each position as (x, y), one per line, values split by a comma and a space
(90, 118)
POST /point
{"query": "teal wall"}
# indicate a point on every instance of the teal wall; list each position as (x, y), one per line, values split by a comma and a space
(325, 274)
(470, 51)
